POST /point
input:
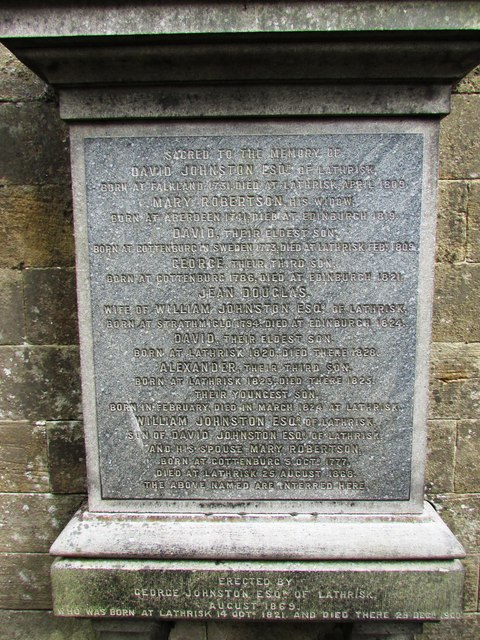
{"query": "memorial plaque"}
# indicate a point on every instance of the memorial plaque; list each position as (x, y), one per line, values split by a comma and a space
(253, 298)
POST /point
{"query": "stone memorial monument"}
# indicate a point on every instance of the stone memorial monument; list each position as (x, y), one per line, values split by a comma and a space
(254, 189)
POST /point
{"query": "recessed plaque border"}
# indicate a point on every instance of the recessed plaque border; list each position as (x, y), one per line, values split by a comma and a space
(429, 130)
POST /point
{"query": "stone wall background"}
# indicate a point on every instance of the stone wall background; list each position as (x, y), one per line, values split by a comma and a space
(42, 466)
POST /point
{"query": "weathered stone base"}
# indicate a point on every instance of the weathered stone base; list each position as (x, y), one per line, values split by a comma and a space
(131, 630)
(316, 591)
(391, 630)
(135, 630)
(421, 536)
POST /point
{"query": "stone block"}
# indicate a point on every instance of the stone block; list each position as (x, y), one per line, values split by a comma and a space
(465, 628)
(469, 84)
(43, 625)
(454, 399)
(272, 631)
(330, 591)
(455, 381)
(30, 522)
(12, 325)
(385, 631)
(23, 452)
(66, 457)
(39, 383)
(473, 223)
(16, 81)
(455, 309)
(186, 630)
(36, 226)
(131, 630)
(34, 144)
(459, 140)
(456, 361)
(50, 306)
(440, 455)
(452, 221)
(25, 581)
(470, 590)
(462, 515)
(467, 468)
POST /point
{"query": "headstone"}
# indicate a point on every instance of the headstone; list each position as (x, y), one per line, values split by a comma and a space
(254, 197)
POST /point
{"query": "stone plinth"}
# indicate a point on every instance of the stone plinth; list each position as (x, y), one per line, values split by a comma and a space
(315, 591)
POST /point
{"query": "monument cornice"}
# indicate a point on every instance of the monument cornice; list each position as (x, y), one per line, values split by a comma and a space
(144, 17)
(347, 57)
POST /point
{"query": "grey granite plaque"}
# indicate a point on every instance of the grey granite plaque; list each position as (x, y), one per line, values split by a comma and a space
(252, 296)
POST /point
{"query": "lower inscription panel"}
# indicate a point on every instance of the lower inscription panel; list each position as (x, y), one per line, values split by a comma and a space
(258, 590)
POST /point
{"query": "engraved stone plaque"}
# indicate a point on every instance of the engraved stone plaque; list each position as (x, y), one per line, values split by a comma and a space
(340, 591)
(253, 298)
